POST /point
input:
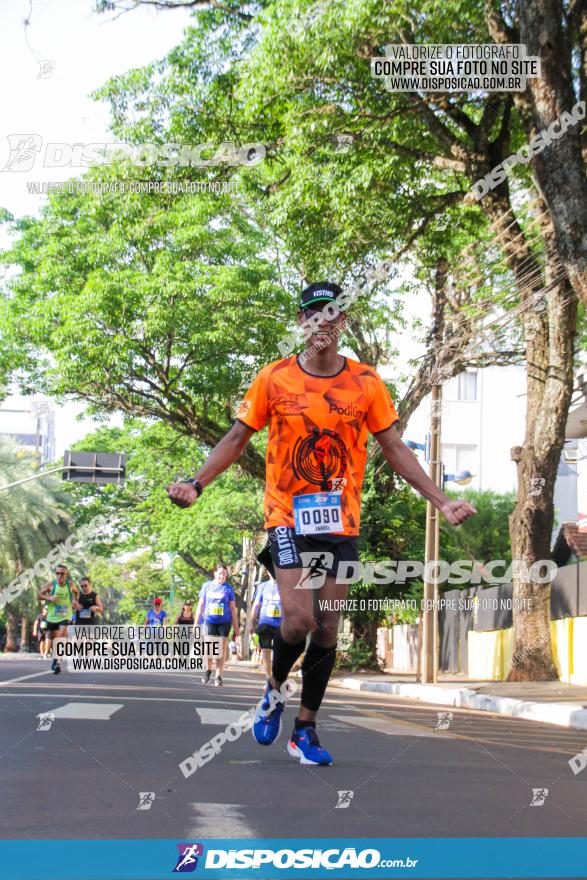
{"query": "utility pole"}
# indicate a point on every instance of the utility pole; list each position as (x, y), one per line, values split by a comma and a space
(428, 646)
(249, 588)
(428, 665)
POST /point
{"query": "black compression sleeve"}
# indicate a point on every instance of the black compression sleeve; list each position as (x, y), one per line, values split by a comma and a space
(284, 656)
(316, 669)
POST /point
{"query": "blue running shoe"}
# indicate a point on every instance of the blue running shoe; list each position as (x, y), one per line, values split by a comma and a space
(305, 746)
(267, 723)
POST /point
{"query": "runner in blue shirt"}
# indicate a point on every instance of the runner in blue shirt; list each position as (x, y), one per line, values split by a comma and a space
(217, 608)
(267, 609)
(155, 615)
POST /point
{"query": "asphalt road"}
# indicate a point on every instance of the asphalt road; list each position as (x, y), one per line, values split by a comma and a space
(82, 777)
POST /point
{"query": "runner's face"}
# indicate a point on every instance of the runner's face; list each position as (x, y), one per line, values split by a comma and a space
(85, 585)
(60, 574)
(325, 328)
(220, 575)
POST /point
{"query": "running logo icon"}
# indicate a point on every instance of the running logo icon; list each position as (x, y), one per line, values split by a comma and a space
(46, 720)
(536, 485)
(315, 569)
(146, 799)
(539, 795)
(46, 69)
(187, 859)
(23, 151)
(444, 719)
(344, 800)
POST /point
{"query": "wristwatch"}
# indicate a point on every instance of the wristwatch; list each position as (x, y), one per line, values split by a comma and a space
(197, 486)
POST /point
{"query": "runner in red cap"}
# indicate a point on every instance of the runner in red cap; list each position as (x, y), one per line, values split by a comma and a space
(156, 615)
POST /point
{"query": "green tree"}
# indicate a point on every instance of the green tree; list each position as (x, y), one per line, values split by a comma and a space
(34, 518)
(140, 512)
(393, 528)
(127, 587)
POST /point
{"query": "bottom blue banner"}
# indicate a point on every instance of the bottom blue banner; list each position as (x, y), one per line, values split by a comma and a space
(294, 857)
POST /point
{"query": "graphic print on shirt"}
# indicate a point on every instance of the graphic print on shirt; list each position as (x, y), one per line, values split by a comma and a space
(318, 431)
(318, 457)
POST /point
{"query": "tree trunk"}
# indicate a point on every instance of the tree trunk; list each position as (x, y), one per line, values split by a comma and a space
(24, 638)
(550, 384)
(549, 354)
(11, 631)
(559, 168)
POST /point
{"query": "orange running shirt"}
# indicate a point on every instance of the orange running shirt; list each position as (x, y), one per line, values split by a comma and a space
(318, 428)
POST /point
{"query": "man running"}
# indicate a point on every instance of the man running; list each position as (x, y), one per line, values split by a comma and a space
(217, 608)
(320, 408)
(59, 595)
(267, 609)
(88, 604)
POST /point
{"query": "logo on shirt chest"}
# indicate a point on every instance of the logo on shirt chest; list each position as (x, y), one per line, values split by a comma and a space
(345, 409)
(289, 406)
(242, 409)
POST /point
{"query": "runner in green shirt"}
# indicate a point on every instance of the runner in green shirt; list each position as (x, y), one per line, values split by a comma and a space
(59, 594)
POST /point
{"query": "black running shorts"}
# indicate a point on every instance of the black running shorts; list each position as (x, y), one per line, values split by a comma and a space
(266, 633)
(54, 626)
(218, 629)
(284, 549)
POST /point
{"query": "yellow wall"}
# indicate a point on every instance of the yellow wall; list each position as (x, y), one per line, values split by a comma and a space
(579, 642)
(490, 653)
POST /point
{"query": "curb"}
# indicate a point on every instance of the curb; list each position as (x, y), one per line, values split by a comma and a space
(560, 714)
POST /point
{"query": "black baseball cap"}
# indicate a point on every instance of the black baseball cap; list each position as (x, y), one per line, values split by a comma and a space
(320, 291)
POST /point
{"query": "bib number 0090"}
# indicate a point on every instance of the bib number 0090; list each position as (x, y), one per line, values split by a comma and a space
(323, 517)
(317, 514)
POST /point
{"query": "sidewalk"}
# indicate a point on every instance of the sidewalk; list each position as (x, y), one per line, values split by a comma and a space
(549, 702)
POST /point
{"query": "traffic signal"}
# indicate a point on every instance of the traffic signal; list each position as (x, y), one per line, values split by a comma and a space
(98, 468)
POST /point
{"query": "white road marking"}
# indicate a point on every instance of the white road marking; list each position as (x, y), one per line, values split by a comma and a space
(218, 716)
(219, 820)
(24, 677)
(382, 725)
(85, 711)
(333, 726)
(84, 696)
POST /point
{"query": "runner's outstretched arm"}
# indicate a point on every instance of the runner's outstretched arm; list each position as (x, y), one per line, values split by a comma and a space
(198, 617)
(404, 462)
(225, 453)
(233, 614)
(44, 592)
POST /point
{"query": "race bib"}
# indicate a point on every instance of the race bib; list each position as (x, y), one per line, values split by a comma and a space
(85, 613)
(217, 609)
(273, 610)
(317, 513)
(62, 611)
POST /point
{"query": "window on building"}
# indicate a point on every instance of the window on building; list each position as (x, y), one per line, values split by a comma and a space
(467, 388)
(466, 458)
(457, 458)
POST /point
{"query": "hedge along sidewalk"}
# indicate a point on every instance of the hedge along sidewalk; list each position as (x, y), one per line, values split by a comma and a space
(532, 701)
